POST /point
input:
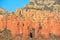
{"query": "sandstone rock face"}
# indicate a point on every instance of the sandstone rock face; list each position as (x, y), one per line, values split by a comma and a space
(3, 11)
(40, 16)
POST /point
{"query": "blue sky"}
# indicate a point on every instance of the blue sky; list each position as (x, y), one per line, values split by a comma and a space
(11, 5)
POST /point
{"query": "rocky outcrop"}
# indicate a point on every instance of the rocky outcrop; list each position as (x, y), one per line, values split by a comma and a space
(39, 17)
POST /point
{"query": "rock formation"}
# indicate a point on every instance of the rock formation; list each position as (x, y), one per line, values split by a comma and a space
(39, 17)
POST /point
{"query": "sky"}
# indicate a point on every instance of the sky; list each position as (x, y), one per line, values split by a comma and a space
(12, 5)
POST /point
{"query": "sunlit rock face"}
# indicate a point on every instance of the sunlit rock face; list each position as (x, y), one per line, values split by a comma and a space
(42, 5)
(39, 17)
(32, 0)
(3, 11)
